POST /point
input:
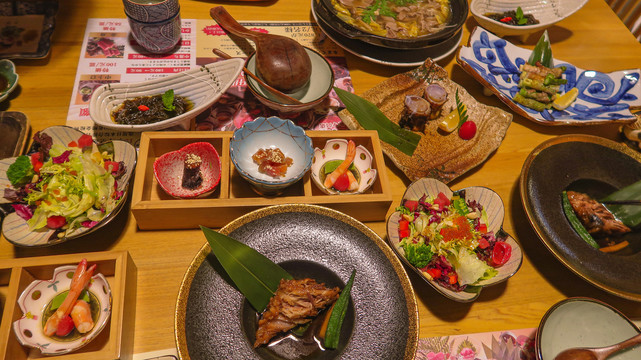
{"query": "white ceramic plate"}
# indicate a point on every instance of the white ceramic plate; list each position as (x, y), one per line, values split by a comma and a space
(15, 228)
(36, 297)
(547, 12)
(495, 209)
(202, 86)
(336, 149)
(604, 98)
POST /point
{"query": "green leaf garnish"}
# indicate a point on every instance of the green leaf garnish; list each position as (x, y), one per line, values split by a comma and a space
(370, 117)
(462, 112)
(542, 52)
(21, 171)
(333, 164)
(254, 275)
(333, 332)
(58, 299)
(630, 215)
(168, 100)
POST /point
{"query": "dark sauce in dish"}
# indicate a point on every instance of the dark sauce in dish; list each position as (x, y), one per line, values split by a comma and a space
(129, 112)
(510, 18)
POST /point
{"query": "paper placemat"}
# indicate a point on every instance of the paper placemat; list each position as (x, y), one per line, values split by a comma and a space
(110, 55)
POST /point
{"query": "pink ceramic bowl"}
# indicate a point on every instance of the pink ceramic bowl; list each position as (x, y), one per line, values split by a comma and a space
(168, 170)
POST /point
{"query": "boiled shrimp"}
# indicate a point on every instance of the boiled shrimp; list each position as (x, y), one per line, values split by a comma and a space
(81, 278)
(81, 316)
(343, 168)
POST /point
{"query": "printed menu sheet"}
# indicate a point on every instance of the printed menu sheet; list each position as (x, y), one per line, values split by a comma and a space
(110, 55)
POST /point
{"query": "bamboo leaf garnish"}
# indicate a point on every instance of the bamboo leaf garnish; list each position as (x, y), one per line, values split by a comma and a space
(630, 215)
(462, 111)
(542, 52)
(254, 275)
(370, 117)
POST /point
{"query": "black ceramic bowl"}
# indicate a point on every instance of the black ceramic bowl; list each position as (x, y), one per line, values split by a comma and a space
(327, 14)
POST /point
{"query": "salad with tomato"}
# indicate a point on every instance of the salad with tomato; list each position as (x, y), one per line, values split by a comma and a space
(64, 187)
(448, 240)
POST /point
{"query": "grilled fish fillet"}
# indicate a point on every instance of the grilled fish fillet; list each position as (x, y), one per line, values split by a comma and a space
(295, 302)
(596, 218)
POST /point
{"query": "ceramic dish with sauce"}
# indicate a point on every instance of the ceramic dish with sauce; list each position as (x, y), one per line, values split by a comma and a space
(35, 301)
(201, 87)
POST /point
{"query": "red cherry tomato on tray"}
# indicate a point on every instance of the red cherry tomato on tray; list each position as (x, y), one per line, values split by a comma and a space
(467, 130)
(65, 325)
(500, 254)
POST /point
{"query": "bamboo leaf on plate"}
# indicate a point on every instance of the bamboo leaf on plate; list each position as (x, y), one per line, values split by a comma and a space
(628, 214)
(254, 275)
(370, 117)
(542, 52)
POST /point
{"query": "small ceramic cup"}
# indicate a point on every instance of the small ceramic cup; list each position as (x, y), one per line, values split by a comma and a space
(155, 24)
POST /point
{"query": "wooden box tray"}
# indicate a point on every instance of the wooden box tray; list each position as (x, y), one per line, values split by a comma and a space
(115, 341)
(234, 197)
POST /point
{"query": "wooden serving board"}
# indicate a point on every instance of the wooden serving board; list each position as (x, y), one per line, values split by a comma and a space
(234, 197)
(115, 341)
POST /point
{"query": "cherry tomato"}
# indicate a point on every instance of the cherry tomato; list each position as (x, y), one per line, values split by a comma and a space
(483, 244)
(342, 183)
(35, 162)
(434, 273)
(56, 221)
(442, 201)
(500, 254)
(114, 166)
(411, 204)
(467, 130)
(84, 141)
(65, 326)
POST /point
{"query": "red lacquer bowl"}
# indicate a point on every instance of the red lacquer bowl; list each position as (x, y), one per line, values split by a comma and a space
(168, 170)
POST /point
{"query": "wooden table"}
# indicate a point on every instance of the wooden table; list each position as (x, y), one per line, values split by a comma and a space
(591, 38)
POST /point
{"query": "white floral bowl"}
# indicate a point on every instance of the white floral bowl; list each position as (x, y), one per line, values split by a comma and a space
(493, 206)
(202, 87)
(548, 12)
(35, 300)
(336, 149)
(15, 228)
(272, 132)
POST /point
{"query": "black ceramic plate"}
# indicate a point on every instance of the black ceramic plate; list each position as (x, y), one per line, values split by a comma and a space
(214, 321)
(387, 56)
(598, 167)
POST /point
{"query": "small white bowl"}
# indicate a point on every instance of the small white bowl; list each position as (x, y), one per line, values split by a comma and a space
(272, 132)
(336, 149)
(202, 87)
(584, 322)
(8, 70)
(547, 12)
(35, 299)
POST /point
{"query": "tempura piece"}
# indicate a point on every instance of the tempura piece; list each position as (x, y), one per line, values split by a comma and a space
(295, 302)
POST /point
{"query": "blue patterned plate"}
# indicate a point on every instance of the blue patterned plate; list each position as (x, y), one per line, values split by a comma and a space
(603, 98)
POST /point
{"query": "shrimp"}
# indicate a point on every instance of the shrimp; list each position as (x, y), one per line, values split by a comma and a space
(81, 316)
(80, 279)
(343, 168)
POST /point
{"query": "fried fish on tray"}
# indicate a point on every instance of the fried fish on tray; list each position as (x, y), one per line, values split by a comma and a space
(594, 216)
(295, 302)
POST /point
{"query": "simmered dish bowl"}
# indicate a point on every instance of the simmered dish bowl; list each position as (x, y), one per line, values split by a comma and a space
(357, 20)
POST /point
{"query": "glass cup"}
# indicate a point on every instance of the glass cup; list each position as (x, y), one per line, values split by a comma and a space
(155, 24)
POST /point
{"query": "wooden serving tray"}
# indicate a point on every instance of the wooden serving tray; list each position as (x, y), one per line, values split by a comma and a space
(116, 339)
(234, 197)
